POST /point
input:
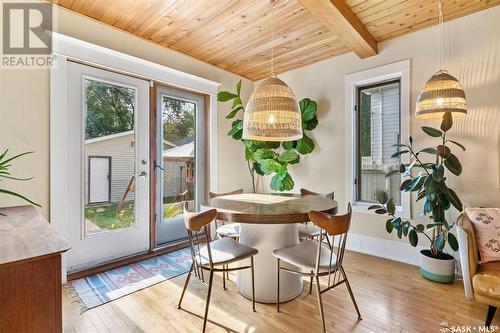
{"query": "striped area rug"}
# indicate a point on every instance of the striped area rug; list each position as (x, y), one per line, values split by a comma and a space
(101, 288)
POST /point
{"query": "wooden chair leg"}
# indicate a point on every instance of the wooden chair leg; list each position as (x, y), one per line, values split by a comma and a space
(185, 285)
(278, 289)
(490, 315)
(351, 293)
(320, 304)
(211, 278)
(253, 285)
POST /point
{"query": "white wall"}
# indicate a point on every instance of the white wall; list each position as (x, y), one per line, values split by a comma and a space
(24, 106)
(472, 55)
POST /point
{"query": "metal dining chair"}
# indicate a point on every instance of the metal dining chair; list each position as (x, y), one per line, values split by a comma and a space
(315, 259)
(214, 254)
(224, 229)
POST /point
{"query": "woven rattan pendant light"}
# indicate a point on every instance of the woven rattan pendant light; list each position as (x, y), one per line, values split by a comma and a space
(272, 112)
(442, 92)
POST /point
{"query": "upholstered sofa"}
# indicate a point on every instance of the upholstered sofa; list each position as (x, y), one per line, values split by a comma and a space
(481, 280)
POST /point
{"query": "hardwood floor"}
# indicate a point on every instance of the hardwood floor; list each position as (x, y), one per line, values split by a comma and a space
(392, 297)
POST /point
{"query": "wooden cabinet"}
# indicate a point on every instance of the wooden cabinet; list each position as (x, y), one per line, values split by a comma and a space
(30, 272)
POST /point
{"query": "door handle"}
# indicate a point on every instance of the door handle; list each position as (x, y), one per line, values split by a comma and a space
(143, 174)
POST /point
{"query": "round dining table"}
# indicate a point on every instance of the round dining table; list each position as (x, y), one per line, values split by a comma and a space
(268, 222)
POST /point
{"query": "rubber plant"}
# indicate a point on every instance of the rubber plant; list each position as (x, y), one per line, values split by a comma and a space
(430, 185)
(271, 158)
(5, 173)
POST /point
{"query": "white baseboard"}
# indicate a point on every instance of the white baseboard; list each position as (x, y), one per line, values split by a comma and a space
(385, 248)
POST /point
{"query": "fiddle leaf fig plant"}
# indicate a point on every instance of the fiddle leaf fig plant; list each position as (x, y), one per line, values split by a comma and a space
(6, 174)
(430, 185)
(271, 157)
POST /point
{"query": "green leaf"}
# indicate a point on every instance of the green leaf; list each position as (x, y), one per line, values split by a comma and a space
(391, 207)
(392, 173)
(224, 96)
(439, 241)
(381, 211)
(416, 184)
(282, 181)
(305, 145)
(14, 194)
(248, 155)
(310, 124)
(405, 184)
(238, 87)
(234, 112)
(452, 240)
(400, 233)
(375, 207)
(257, 169)
(437, 213)
(443, 151)
(388, 225)
(454, 200)
(428, 206)
(413, 237)
(288, 156)
(447, 121)
(236, 102)
(458, 144)
(438, 173)
(396, 222)
(432, 131)
(289, 144)
(432, 151)
(453, 164)
(444, 201)
(264, 153)
(399, 153)
(406, 228)
(308, 109)
(420, 227)
(272, 144)
(422, 194)
(383, 197)
(3, 163)
(399, 145)
(269, 166)
(236, 131)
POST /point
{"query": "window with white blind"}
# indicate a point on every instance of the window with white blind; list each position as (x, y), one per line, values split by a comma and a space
(378, 128)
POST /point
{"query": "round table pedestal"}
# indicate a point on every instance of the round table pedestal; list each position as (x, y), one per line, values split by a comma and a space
(266, 238)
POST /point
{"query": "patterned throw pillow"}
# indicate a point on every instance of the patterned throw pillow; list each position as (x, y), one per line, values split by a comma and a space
(486, 222)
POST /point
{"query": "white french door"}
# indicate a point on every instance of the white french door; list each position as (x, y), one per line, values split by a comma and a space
(108, 163)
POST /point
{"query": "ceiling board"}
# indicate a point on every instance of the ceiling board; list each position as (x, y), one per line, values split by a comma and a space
(236, 34)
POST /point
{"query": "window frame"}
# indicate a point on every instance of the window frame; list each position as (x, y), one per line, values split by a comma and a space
(379, 75)
(357, 164)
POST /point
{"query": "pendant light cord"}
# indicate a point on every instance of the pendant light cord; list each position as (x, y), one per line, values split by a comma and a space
(441, 33)
(272, 34)
(272, 41)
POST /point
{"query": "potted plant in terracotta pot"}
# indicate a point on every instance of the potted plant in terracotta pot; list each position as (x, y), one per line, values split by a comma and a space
(430, 185)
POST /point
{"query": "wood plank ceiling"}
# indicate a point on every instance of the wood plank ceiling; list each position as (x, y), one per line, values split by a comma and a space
(236, 34)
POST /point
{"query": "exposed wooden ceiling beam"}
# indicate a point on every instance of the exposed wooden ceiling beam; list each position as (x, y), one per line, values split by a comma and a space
(338, 17)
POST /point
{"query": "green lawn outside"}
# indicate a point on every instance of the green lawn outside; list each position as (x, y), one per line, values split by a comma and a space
(106, 216)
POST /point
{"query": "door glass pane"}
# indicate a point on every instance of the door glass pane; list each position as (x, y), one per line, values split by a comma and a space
(379, 129)
(178, 134)
(109, 156)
